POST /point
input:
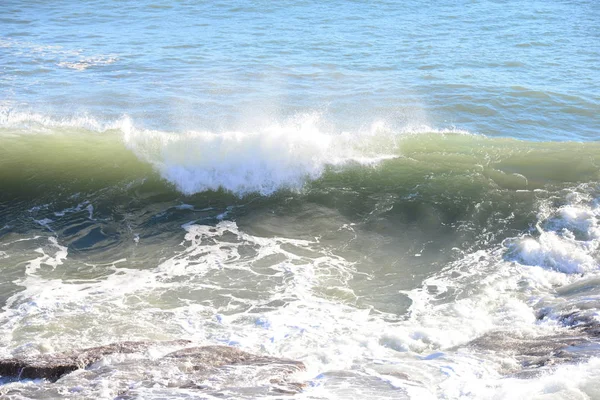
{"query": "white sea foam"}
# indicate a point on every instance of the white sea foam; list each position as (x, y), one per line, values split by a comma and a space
(85, 63)
(45, 222)
(330, 336)
(28, 122)
(200, 293)
(567, 238)
(77, 59)
(490, 292)
(81, 206)
(272, 157)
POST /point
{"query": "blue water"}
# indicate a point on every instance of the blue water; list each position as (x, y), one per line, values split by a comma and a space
(519, 69)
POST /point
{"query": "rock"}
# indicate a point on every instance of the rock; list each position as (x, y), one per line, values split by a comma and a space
(210, 369)
(89, 356)
(43, 367)
(54, 366)
(578, 320)
(535, 352)
(224, 366)
(217, 356)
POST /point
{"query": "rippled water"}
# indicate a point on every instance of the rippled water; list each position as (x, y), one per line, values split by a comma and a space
(404, 196)
(526, 70)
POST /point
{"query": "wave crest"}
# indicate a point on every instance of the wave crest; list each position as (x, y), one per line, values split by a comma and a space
(276, 156)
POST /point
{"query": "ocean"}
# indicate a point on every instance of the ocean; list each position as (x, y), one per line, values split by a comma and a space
(403, 196)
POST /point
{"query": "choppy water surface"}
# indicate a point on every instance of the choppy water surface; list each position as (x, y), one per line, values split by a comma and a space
(403, 196)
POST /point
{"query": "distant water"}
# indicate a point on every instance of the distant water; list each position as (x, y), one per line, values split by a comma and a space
(405, 196)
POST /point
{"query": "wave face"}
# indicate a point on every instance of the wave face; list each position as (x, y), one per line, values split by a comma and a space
(293, 155)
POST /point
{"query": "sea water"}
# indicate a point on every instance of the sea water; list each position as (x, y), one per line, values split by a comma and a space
(404, 196)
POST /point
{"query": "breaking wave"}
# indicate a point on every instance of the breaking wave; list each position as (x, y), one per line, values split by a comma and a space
(276, 156)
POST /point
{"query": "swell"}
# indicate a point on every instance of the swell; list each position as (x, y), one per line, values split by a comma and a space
(67, 163)
(293, 158)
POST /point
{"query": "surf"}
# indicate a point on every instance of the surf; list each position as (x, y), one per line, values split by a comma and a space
(291, 155)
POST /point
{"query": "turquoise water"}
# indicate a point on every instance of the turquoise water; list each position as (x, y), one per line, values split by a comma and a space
(404, 196)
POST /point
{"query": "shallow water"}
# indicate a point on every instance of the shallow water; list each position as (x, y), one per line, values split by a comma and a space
(402, 196)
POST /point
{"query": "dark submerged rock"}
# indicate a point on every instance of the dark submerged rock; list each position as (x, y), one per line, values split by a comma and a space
(53, 366)
(206, 368)
(42, 367)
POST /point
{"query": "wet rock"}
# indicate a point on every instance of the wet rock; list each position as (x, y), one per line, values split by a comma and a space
(212, 370)
(578, 341)
(89, 356)
(581, 321)
(225, 366)
(42, 367)
(53, 366)
(217, 356)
